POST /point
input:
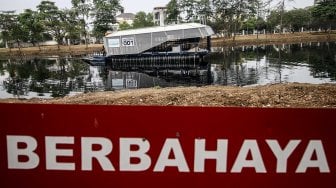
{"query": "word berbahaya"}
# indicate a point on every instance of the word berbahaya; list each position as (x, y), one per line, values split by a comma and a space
(249, 155)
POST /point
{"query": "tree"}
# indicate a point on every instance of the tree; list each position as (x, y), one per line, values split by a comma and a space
(281, 7)
(17, 33)
(12, 29)
(188, 8)
(82, 9)
(262, 10)
(72, 25)
(296, 19)
(273, 19)
(7, 20)
(2, 45)
(31, 26)
(173, 11)
(244, 10)
(52, 19)
(142, 19)
(250, 24)
(325, 13)
(195, 10)
(261, 24)
(124, 26)
(223, 15)
(232, 13)
(104, 13)
(204, 10)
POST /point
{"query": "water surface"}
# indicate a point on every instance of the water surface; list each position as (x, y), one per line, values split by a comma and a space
(241, 66)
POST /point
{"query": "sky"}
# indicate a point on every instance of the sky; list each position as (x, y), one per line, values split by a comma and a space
(132, 6)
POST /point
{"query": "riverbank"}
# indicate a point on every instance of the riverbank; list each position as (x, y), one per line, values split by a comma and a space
(290, 95)
(73, 50)
(288, 38)
(82, 50)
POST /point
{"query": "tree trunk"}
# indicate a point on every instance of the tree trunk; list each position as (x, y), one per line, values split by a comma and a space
(85, 33)
(234, 31)
(329, 32)
(281, 16)
(8, 46)
(69, 44)
(281, 23)
(38, 45)
(85, 36)
(18, 42)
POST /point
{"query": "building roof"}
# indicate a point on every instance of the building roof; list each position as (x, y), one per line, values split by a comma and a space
(126, 16)
(160, 8)
(162, 29)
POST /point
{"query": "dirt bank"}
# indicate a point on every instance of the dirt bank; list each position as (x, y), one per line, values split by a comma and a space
(278, 95)
(73, 50)
(288, 38)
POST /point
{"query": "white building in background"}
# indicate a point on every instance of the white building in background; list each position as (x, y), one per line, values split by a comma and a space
(159, 15)
(125, 17)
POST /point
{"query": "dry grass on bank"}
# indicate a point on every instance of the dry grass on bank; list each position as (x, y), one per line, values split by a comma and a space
(52, 50)
(292, 95)
(275, 38)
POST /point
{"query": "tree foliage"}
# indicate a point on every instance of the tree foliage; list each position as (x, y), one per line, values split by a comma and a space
(8, 20)
(82, 9)
(52, 19)
(143, 20)
(273, 20)
(232, 13)
(295, 19)
(194, 10)
(32, 26)
(188, 8)
(325, 13)
(72, 26)
(281, 8)
(104, 14)
(124, 26)
(173, 11)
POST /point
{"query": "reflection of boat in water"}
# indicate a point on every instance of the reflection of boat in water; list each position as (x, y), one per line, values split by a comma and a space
(148, 79)
(95, 60)
(158, 63)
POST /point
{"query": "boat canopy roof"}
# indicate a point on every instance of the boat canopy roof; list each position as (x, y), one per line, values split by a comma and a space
(206, 30)
(136, 41)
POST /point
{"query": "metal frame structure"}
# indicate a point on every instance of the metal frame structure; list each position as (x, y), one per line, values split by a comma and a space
(171, 39)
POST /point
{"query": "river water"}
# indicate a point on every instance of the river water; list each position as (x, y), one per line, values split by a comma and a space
(241, 66)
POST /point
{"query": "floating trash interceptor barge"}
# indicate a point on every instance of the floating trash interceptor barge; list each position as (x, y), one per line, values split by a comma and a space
(178, 43)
